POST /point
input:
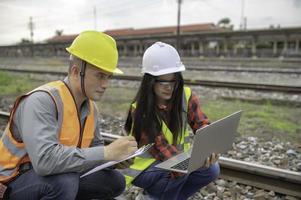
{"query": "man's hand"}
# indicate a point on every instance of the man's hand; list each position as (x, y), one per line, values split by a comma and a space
(120, 148)
(211, 160)
(125, 164)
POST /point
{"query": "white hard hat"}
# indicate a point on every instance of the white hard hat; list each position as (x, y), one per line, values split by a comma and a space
(160, 59)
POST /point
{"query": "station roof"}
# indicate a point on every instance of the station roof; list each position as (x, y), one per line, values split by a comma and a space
(167, 30)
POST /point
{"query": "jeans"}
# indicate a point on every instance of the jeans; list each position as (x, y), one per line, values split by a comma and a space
(159, 184)
(104, 184)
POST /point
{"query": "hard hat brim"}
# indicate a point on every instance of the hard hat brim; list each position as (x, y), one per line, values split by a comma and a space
(117, 71)
(181, 68)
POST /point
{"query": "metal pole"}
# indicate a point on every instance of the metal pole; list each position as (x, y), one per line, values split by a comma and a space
(95, 18)
(31, 27)
(242, 15)
(178, 25)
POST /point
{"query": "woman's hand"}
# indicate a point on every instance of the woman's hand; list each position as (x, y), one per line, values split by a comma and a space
(211, 160)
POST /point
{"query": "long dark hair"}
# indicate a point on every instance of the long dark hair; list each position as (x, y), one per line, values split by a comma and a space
(146, 116)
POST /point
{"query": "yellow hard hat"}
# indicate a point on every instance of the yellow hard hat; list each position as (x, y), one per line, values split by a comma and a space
(96, 48)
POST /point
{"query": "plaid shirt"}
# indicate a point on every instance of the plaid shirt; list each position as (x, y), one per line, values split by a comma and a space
(196, 119)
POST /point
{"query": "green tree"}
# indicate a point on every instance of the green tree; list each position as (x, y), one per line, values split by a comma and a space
(225, 23)
(59, 32)
(25, 41)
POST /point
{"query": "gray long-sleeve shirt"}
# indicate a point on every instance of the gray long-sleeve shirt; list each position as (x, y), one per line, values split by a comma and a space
(36, 125)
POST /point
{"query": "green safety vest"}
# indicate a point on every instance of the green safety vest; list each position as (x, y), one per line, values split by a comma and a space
(144, 161)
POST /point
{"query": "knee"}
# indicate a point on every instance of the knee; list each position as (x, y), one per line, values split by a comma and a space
(65, 185)
(214, 171)
(118, 183)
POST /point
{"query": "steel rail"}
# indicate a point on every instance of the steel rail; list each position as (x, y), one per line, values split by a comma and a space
(4, 115)
(248, 70)
(261, 176)
(226, 68)
(256, 175)
(232, 85)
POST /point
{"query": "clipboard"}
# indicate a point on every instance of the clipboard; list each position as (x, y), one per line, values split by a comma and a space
(138, 152)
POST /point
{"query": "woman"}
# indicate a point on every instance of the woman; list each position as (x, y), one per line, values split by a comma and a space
(159, 114)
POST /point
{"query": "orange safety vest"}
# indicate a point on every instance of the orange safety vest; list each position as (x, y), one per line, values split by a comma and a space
(13, 153)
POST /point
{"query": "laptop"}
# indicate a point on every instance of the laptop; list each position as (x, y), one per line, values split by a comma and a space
(217, 137)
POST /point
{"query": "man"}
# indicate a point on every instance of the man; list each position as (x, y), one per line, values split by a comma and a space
(52, 136)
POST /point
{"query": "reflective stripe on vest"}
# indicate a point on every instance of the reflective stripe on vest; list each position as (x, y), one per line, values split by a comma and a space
(13, 153)
(141, 163)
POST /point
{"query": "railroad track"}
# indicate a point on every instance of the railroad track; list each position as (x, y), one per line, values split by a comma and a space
(248, 70)
(256, 175)
(229, 69)
(221, 84)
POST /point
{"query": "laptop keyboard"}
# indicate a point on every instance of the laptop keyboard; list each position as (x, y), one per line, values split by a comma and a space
(182, 165)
